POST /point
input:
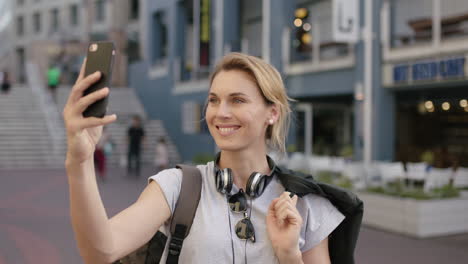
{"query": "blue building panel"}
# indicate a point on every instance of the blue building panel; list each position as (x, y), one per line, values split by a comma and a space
(327, 83)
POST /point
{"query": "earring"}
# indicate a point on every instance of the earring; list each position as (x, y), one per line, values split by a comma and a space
(270, 121)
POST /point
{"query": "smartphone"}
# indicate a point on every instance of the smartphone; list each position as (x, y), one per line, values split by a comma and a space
(100, 57)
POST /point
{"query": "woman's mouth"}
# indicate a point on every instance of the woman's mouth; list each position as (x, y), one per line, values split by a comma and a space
(227, 130)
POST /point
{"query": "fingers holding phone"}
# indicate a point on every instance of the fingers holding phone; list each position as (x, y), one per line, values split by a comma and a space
(100, 58)
(84, 112)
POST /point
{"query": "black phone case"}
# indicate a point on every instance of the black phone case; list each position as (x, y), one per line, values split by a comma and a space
(101, 60)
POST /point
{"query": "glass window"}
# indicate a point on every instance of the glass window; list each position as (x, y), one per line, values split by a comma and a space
(100, 11)
(454, 19)
(160, 37)
(133, 47)
(20, 26)
(37, 22)
(54, 20)
(312, 28)
(195, 60)
(134, 9)
(187, 61)
(433, 124)
(205, 37)
(301, 44)
(74, 15)
(411, 22)
(251, 27)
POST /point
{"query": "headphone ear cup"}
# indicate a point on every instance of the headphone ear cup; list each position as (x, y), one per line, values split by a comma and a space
(255, 184)
(223, 180)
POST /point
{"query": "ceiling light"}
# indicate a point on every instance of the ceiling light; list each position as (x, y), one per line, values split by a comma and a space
(298, 22)
(446, 106)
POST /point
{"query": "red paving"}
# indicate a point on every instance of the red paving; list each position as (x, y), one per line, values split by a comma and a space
(35, 224)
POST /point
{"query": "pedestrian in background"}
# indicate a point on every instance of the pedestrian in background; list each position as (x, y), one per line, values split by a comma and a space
(100, 155)
(53, 79)
(135, 136)
(5, 81)
(161, 159)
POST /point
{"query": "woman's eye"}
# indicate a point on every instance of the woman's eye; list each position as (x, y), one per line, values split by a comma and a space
(238, 100)
(212, 100)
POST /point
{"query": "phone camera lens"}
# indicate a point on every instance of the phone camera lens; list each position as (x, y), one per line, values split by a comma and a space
(93, 47)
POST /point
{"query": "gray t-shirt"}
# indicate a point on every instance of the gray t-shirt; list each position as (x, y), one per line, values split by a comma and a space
(212, 238)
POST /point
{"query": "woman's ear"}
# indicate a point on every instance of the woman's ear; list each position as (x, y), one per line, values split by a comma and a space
(274, 113)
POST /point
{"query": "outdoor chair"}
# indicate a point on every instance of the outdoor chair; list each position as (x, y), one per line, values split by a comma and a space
(437, 178)
(416, 173)
(355, 172)
(460, 179)
(391, 171)
(298, 161)
(319, 163)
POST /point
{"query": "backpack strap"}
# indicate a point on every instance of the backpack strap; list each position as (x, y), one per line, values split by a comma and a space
(185, 210)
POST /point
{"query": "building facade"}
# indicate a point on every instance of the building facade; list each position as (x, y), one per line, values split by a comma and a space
(58, 32)
(46, 33)
(327, 78)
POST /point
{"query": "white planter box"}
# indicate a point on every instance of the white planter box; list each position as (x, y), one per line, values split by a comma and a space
(415, 218)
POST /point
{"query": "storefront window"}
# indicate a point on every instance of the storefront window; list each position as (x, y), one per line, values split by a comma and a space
(411, 22)
(436, 125)
(331, 128)
(454, 19)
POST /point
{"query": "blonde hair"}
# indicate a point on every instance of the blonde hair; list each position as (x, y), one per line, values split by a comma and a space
(271, 86)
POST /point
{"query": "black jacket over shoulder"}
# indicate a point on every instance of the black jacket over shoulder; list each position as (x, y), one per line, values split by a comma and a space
(342, 241)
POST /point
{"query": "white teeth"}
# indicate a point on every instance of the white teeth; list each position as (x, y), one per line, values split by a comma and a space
(226, 130)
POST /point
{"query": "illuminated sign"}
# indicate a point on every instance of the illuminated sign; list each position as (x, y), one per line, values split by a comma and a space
(429, 70)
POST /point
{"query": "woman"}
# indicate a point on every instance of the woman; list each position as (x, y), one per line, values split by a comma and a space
(100, 155)
(247, 112)
(161, 158)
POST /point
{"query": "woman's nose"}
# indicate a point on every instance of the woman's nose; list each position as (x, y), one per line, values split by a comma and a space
(224, 111)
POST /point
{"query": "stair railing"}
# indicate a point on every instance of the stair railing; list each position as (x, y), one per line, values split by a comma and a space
(49, 108)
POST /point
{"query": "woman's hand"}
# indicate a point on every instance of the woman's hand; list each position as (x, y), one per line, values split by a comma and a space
(83, 133)
(284, 225)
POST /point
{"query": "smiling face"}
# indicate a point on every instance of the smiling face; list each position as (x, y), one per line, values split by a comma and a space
(237, 114)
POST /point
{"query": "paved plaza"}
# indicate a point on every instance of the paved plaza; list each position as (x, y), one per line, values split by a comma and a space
(35, 225)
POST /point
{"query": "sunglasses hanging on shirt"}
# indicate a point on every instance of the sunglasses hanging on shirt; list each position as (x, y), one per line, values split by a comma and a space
(256, 184)
(244, 228)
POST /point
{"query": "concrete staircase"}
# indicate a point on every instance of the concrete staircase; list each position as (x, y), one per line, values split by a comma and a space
(26, 141)
(24, 136)
(125, 103)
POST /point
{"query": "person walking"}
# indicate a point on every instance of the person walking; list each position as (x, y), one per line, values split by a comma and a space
(5, 82)
(100, 155)
(161, 159)
(135, 137)
(53, 79)
(244, 213)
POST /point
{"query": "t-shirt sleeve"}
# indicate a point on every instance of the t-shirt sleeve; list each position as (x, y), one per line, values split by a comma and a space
(319, 222)
(170, 181)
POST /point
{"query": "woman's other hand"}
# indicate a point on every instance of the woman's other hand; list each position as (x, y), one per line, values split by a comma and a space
(284, 225)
